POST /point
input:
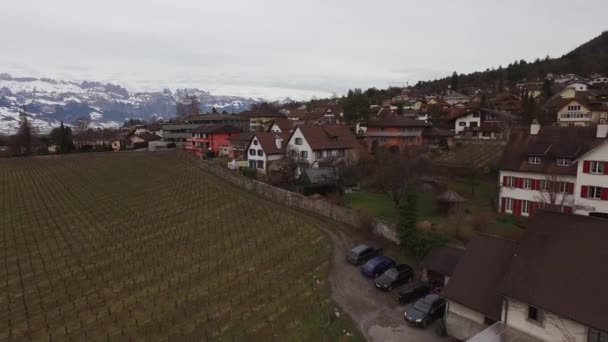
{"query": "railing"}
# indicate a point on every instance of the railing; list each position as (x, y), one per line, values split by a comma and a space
(203, 140)
(394, 134)
(575, 115)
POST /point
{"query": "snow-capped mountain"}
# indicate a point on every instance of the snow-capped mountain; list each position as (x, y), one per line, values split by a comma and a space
(47, 102)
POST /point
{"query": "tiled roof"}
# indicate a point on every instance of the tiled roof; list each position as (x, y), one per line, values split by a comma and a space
(477, 276)
(285, 125)
(268, 142)
(561, 266)
(326, 137)
(442, 259)
(147, 136)
(549, 143)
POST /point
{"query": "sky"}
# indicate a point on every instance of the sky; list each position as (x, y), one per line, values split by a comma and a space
(283, 48)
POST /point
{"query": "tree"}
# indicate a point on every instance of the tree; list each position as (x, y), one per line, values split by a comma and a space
(213, 110)
(554, 193)
(356, 106)
(397, 170)
(24, 134)
(62, 137)
(454, 81)
(547, 91)
(188, 106)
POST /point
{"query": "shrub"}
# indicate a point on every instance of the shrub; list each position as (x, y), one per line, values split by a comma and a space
(249, 172)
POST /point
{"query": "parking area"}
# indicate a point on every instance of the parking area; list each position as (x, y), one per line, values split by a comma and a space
(377, 313)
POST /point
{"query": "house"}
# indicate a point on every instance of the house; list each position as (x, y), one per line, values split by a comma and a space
(566, 78)
(315, 144)
(210, 138)
(581, 111)
(178, 133)
(578, 86)
(395, 131)
(545, 287)
(261, 120)
(477, 124)
(141, 140)
(139, 129)
(599, 81)
(547, 167)
(472, 293)
(227, 119)
(506, 102)
(119, 144)
(432, 136)
(158, 145)
(237, 145)
(453, 97)
(264, 148)
(155, 128)
(282, 125)
(531, 89)
(439, 264)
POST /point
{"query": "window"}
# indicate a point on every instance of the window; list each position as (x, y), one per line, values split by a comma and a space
(563, 187)
(318, 154)
(298, 141)
(304, 154)
(510, 182)
(476, 114)
(544, 185)
(534, 160)
(255, 142)
(597, 167)
(595, 192)
(260, 164)
(252, 152)
(260, 153)
(525, 208)
(473, 124)
(597, 336)
(486, 134)
(252, 164)
(564, 162)
(527, 183)
(534, 314)
(462, 124)
(509, 205)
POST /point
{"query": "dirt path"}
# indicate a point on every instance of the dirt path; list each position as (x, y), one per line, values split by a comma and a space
(377, 313)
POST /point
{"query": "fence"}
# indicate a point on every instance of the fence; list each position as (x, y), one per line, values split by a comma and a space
(292, 199)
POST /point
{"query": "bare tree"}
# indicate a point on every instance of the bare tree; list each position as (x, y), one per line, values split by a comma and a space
(24, 134)
(283, 172)
(82, 133)
(555, 193)
(397, 170)
(506, 121)
(188, 106)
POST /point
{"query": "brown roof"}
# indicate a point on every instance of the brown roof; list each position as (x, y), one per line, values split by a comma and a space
(477, 276)
(397, 121)
(268, 142)
(549, 143)
(147, 136)
(561, 266)
(434, 132)
(216, 128)
(442, 259)
(328, 137)
(261, 114)
(285, 125)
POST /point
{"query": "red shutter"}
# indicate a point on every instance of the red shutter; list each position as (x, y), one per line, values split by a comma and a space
(606, 168)
(520, 182)
(604, 194)
(517, 207)
(584, 191)
(503, 205)
(536, 184)
(586, 166)
(504, 180)
(533, 208)
(570, 188)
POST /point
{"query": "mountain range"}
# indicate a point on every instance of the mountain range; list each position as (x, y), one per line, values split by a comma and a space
(47, 102)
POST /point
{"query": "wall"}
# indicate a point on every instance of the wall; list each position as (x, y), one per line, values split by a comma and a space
(585, 205)
(467, 121)
(463, 323)
(291, 144)
(291, 199)
(255, 145)
(553, 328)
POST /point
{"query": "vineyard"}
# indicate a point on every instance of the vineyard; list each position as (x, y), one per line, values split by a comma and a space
(474, 154)
(134, 246)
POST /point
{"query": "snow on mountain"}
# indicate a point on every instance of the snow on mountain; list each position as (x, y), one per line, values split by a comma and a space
(48, 102)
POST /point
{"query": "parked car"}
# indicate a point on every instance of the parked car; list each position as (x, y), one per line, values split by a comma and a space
(425, 310)
(413, 292)
(376, 266)
(362, 253)
(394, 277)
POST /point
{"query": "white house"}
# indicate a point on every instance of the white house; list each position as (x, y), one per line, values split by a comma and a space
(477, 124)
(470, 119)
(599, 80)
(264, 148)
(575, 112)
(578, 86)
(541, 168)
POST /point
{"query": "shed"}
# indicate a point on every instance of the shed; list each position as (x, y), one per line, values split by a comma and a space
(440, 263)
(449, 200)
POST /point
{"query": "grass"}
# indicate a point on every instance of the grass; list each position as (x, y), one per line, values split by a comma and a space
(478, 204)
(140, 246)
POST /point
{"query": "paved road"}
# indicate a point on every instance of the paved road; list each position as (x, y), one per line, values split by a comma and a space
(377, 313)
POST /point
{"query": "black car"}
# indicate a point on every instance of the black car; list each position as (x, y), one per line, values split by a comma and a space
(362, 253)
(394, 277)
(425, 310)
(413, 292)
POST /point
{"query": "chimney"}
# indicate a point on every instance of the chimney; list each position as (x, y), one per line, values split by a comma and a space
(534, 128)
(279, 141)
(602, 129)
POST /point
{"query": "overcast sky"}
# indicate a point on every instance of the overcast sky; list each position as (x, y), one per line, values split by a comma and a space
(278, 48)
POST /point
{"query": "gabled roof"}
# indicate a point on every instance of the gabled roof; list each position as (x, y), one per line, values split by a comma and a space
(240, 139)
(561, 266)
(268, 142)
(398, 121)
(549, 143)
(285, 125)
(216, 128)
(442, 259)
(328, 137)
(477, 276)
(147, 136)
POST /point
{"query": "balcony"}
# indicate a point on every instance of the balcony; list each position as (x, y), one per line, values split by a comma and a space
(395, 134)
(192, 148)
(576, 116)
(200, 140)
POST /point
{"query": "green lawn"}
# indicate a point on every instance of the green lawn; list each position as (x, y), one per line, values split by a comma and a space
(478, 203)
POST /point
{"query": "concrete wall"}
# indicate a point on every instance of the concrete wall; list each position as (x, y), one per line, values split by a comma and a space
(552, 328)
(463, 323)
(292, 199)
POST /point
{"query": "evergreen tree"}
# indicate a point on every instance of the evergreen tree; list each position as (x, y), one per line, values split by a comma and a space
(454, 82)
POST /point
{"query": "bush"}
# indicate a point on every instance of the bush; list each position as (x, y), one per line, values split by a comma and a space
(249, 172)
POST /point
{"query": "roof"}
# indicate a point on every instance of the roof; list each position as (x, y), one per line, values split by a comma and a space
(550, 142)
(215, 117)
(328, 137)
(478, 274)
(285, 125)
(216, 128)
(268, 142)
(434, 132)
(560, 266)
(317, 176)
(243, 137)
(450, 197)
(442, 259)
(147, 136)
(397, 121)
(261, 114)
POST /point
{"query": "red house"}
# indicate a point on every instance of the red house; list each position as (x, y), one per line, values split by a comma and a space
(396, 131)
(210, 138)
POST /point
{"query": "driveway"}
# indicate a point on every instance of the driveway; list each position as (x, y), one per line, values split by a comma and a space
(377, 313)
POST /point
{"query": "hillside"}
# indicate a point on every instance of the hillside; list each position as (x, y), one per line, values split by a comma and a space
(590, 57)
(49, 101)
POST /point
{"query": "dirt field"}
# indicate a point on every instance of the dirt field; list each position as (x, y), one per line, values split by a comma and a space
(147, 247)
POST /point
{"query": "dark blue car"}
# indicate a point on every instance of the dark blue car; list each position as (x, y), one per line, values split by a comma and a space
(376, 266)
